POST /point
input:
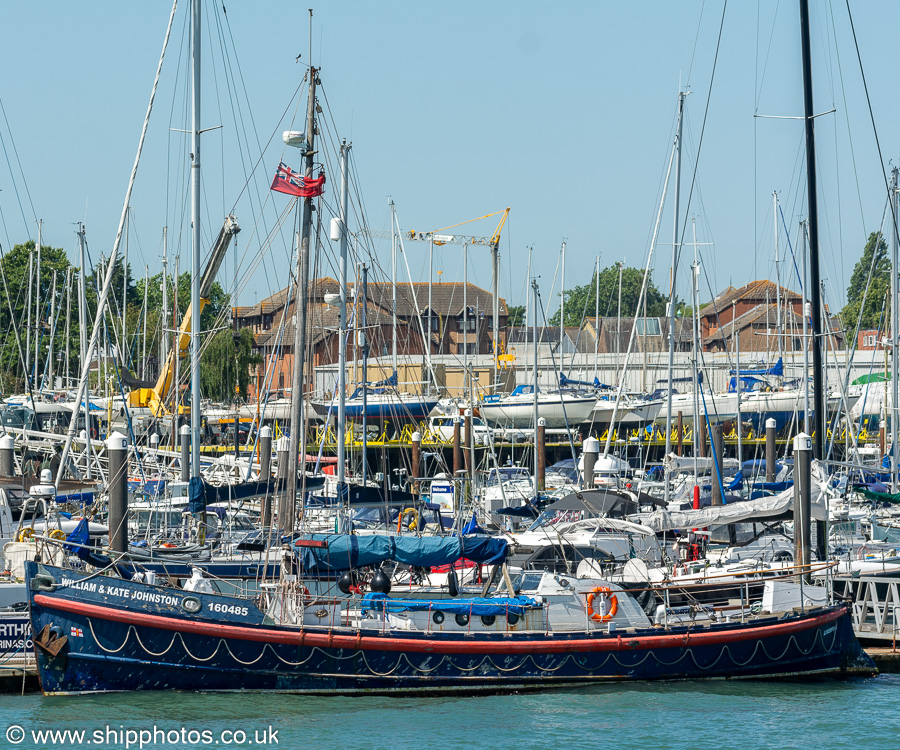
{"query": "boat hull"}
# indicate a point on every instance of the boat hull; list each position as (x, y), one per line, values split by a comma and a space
(518, 411)
(122, 635)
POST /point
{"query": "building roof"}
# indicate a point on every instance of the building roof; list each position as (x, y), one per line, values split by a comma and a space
(756, 291)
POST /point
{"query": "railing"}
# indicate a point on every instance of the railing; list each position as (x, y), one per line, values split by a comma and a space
(876, 605)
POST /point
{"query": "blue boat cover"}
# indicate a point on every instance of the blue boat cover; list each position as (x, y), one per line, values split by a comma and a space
(344, 551)
(476, 606)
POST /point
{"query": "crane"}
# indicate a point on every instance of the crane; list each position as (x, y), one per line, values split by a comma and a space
(154, 397)
(437, 237)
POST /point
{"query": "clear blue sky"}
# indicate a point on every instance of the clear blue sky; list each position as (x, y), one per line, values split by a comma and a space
(565, 112)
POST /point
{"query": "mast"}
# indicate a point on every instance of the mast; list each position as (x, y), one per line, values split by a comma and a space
(394, 287)
(365, 367)
(534, 319)
(430, 313)
(619, 312)
(68, 318)
(298, 409)
(144, 350)
(737, 366)
(597, 319)
(342, 327)
(805, 310)
(164, 338)
(495, 306)
(895, 312)
(465, 336)
(196, 416)
(778, 328)
(50, 383)
(83, 340)
(672, 287)
(28, 323)
(562, 303)
(194, 220)
(37, 305)
(814, 275)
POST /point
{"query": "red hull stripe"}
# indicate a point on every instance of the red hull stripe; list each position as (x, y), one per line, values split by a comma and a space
(622, 642)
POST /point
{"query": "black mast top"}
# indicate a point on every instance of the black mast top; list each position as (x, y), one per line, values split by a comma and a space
(819, 425)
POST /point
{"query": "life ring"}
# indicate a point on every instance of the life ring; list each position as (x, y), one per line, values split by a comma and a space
(25, 534)
(412, 524)
(58, 534)
(610, 597)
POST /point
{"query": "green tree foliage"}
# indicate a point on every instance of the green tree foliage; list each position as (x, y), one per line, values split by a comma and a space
(15, 268)
(225, 365)
(580, 301)
(874, 264)
(516, 315)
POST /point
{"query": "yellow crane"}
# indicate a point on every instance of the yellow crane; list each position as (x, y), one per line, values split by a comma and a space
(154, 398)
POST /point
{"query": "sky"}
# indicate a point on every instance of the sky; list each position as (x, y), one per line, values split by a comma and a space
(564, 112)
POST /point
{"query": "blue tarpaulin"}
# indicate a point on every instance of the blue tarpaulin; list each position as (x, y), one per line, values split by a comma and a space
(476, 606)
(345, 551)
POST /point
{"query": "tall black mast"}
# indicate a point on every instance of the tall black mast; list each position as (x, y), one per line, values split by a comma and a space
(815, 287)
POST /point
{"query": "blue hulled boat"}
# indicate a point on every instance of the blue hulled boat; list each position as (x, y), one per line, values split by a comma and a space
(105, 633)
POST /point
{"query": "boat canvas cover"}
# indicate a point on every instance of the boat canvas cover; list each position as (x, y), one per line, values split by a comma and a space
(343, 551)
(764, 507)
(474, 606)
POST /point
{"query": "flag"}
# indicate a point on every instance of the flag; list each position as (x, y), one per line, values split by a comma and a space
(293, 183)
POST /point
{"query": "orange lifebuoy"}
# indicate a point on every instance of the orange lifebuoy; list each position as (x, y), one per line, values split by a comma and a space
(613, 604)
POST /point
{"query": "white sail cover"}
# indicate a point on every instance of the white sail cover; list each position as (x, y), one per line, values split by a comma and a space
(748, 510)
(675, 464)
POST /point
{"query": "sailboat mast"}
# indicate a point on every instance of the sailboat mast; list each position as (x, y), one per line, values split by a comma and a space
(562, 302)
(37, 304)
(534, 320)
(196, 417)
(164, 328)
(28, 322)
(895, 311)
(672, 287)
(394, 230)
(144, 349)
(298, 404)
(777, 280)
(342, 327)
(465, 336)
(597, 320)
(814, 275)
(124, 343)
(68, 319)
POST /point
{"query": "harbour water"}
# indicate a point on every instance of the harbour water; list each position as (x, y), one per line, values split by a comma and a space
(855, 713)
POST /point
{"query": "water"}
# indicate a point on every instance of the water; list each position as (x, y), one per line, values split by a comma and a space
(859, 714)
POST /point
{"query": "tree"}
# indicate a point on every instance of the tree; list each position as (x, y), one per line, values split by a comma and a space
(580, 301)
(15, 272)
(225, 365)
(872, 270)
(516, 315)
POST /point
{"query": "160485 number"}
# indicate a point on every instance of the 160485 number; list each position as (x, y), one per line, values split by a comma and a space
(228, 609)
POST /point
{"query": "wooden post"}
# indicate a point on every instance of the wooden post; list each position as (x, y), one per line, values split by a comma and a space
(541, 455)
(416, 460)
(680, 433)
(770, 450)
(457, 453)
(718, 451)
